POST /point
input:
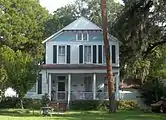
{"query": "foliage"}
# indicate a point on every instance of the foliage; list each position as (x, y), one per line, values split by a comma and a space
(30, 103)
(101, 105)
(9, 102)
(21, 69)
(22, 26)
(141, 29)
(3, 80)
(90, 9)
(153, 90)
(13, 102)
(127, 105)
(45, 99)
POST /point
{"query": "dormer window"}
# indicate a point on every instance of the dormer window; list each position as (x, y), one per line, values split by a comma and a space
(79, 36)
(82, 36)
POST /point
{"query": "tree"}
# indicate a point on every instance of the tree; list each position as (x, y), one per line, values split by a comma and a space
(141, 29)
(21, 69)
(22, 26)
(90, 9)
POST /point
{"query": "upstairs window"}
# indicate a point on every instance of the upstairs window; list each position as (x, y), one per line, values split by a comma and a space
(61, 54)
(82, 36)
(79, 36)
(87, 54)
(85, 36)
(61, 51)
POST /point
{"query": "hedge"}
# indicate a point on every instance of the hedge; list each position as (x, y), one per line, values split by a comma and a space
(101, 105)
(14, 102)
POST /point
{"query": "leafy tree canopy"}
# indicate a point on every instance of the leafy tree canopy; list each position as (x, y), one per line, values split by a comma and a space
(22, 26)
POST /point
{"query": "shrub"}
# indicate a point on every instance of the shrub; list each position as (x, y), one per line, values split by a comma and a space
(127, 105)
(9, 102)
(153, 90)
(13, 102)
(32, 103)
(101, 105)
(45, 99)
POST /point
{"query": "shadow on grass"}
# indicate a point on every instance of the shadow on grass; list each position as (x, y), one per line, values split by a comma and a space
(88, 115)
(18, 113)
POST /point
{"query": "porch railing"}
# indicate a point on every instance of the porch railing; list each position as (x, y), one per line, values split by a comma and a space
(62, 95)
(88, 95)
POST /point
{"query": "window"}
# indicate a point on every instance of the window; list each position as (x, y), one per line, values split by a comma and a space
(79, 36)
(104, 57)
(87, 54)
(85, 36)
(40, 84)
(61, 51)
(100, 54)
(94, 54)
(82, 36)
(113, 54)
(61, 54)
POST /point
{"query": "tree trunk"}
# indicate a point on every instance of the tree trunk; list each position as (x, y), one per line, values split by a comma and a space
(111, 91)
(20, 100)
(21, 104)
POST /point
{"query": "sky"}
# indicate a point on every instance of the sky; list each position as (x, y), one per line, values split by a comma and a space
(52, 5)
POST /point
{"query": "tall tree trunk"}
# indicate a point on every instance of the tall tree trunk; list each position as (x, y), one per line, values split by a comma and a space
(20, 100)
(21, 104)
(111, 91)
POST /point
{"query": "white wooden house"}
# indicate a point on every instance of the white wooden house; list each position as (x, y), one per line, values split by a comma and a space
(75, 67)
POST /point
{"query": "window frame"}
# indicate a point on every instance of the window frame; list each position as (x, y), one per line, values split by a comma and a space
(82, 36)
(65, 54)
(62, 54)
(87, 62)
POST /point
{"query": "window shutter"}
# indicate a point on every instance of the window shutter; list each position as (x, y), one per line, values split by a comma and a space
(81, 54)
(100, 53)
(94, 54)
(55, 54)
(113, 54)
(68, 54)
(39, 84)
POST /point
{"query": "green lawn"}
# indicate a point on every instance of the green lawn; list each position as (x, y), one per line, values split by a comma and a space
(83, 115)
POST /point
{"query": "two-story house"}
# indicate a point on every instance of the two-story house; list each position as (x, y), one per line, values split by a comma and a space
(75, 67)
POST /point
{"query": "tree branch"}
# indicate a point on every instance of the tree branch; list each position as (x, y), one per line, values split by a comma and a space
(152, 46)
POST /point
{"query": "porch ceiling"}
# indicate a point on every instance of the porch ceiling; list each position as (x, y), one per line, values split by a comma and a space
(74, 66)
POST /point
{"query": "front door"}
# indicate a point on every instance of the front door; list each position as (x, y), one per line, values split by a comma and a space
(61, 88)
(88, 87)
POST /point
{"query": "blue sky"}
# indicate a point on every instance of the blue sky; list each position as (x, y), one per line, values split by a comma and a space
(52, 5)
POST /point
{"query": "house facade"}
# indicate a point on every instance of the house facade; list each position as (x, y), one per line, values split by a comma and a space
(75, 66)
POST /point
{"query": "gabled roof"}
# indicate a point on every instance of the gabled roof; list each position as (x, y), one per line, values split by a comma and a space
(80, 24)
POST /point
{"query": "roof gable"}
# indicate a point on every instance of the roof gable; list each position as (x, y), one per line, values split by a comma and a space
(82, 24)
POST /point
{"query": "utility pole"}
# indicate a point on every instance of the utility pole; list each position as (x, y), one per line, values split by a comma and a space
(110, 79)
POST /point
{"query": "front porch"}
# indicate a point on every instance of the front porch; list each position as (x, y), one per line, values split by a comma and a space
(78, 86)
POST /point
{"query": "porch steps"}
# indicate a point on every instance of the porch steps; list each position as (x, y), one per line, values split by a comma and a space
(58, 105)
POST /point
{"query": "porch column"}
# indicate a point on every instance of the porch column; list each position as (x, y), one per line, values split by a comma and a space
(69, 89)
(117, 82)
(49, 85)
(94, 86)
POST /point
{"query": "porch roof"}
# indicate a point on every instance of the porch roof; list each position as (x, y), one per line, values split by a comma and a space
(74, 66)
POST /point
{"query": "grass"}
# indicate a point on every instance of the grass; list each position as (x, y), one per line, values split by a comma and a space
(15, 114)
